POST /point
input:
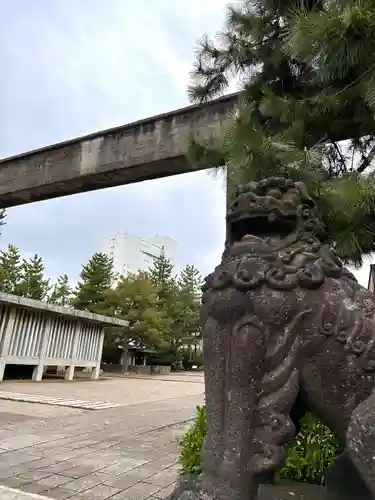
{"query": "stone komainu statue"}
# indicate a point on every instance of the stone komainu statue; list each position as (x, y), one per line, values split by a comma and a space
(287, 329)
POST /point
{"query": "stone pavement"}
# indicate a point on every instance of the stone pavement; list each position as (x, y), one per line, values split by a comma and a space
(120, 453)
(138, 389)
(12, 494)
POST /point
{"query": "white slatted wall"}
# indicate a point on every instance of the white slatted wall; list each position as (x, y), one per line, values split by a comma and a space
(61, 338)
(27, 333)
(25, 330)
(88, 342)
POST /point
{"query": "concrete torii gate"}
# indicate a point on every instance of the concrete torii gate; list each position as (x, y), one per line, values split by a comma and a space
(147, 149)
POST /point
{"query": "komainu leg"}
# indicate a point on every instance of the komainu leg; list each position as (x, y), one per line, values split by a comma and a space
(360, 440)
(215, 366)
(234, 367)
(250, 390)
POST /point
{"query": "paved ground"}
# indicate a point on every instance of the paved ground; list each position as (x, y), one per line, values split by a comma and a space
(48, 400)
(13, 494)
(123, 453)
(131, 391)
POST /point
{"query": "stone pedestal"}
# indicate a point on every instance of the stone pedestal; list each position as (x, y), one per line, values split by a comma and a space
(187, 489)
(343, 481)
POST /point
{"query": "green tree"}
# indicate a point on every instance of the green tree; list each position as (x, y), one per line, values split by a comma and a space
(189, 294)
(135, 299)
(10, 270)
(96, 280)
(307, 83)
(178, 299)
(190, 281)
(33, 283)
(161, 276)
(61, 294)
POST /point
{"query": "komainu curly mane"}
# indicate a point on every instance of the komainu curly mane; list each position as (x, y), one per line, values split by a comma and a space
(286, 329)
(298, 257)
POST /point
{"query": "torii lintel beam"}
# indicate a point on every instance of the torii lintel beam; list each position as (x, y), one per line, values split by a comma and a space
(147, 149)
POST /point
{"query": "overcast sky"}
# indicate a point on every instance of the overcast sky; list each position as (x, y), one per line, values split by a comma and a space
(71, 67)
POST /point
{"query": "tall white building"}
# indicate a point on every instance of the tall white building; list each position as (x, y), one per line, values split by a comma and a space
(131, 254)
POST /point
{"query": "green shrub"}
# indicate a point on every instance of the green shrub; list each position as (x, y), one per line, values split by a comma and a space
(307, 455)
(191, 444)
(310, 452)
(198, 360)
(111, 355)
(162, 357)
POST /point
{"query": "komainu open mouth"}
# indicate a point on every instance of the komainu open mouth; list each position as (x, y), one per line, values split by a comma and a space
(271, 208)
(262, 226)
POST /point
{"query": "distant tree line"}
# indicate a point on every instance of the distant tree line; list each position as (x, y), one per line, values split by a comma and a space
(162, 308)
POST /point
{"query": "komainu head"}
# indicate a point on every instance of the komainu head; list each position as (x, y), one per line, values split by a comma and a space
(273, 210)
(275, 236)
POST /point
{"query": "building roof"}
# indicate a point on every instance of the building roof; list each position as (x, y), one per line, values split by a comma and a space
(70, 312)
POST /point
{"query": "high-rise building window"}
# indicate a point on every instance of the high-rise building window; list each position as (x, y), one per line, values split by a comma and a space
(131, 254)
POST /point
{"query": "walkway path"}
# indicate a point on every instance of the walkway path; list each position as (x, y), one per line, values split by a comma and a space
(123, 453)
